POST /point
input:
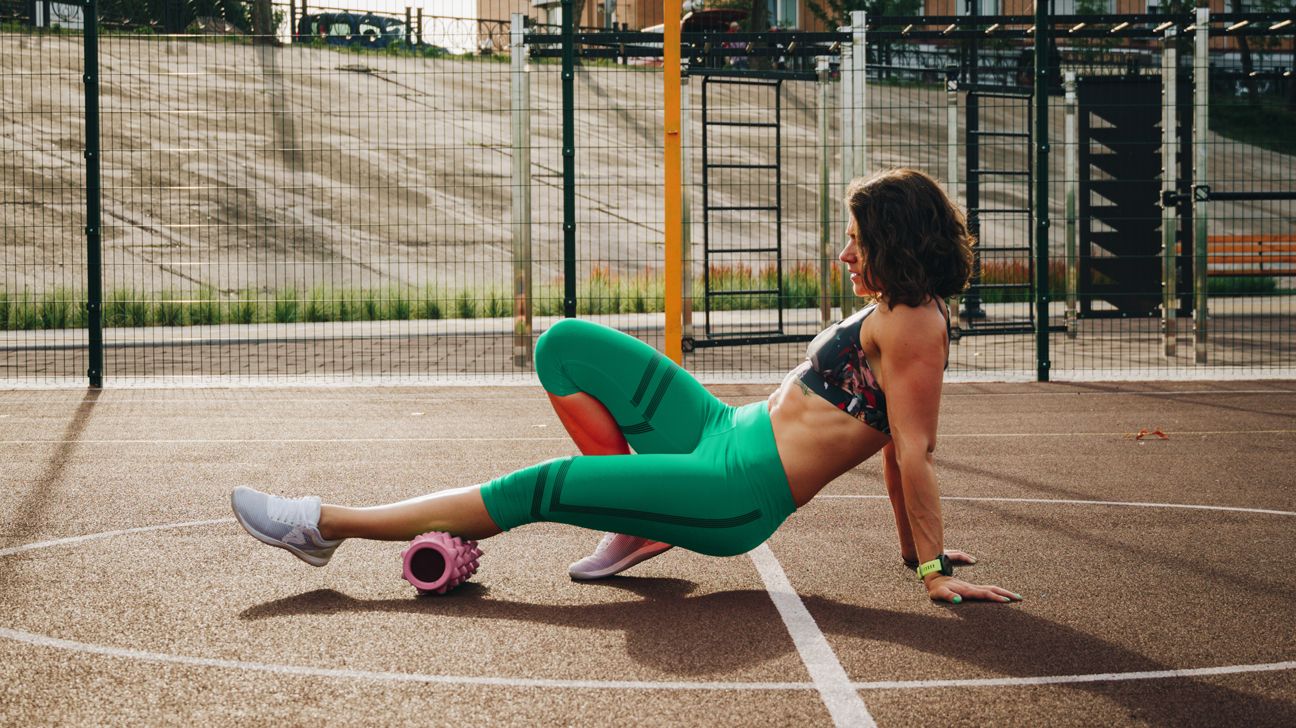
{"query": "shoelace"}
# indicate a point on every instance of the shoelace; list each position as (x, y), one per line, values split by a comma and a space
(605, 544)
(293, 512)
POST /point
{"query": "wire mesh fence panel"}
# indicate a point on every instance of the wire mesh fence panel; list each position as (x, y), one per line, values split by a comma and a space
(304, 210)
(42, 208)
(384, 196)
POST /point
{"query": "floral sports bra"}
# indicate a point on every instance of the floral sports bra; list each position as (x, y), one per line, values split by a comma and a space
(838, 371)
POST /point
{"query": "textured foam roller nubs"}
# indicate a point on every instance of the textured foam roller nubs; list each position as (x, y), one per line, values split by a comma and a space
(437, 562)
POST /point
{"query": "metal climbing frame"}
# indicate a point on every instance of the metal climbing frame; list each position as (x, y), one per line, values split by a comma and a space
(714, 216)
(1000, 195)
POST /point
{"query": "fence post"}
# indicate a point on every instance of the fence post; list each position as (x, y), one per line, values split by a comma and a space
(951, 131)
(94, 192)
(846, 100)
(1072, 183)
(1201, 124)
(854, 123)
(859, 81)
(1169, 185)
(686, 217)
(523, 344)
(1043, 31)
(569, 159)
(825, 211)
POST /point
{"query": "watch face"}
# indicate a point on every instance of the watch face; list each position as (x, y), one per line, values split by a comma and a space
(946, 567)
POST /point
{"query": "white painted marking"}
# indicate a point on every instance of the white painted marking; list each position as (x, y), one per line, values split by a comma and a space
(1176, 433)
(1059, 501)
(829, 677)
(303, 670)
(997, 682)
(82, 647)
(106, 534)
(311, 440)
(317, 440)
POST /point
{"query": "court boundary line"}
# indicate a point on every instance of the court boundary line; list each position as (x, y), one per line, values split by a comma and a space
(713, 377)
(826, 672)
(399, 440)
(1028, 681)
(1072, 502)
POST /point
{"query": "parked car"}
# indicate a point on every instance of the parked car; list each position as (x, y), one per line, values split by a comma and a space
(367, 29)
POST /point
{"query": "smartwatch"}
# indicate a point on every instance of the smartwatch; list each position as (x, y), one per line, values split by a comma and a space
(939, 564)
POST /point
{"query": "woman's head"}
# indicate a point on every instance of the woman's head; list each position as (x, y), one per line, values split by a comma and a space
(908, 242)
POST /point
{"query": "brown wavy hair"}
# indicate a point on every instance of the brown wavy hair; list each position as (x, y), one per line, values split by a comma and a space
(915, 241)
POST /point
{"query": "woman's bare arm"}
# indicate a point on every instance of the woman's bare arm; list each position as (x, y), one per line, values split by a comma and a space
(912, 346)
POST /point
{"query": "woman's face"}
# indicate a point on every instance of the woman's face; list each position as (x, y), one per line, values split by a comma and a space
(853, 257)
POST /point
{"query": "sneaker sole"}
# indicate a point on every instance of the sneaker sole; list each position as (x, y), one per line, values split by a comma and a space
(267, 540)
(634, 557)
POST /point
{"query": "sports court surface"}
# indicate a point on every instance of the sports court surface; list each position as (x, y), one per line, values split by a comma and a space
(1156, 572)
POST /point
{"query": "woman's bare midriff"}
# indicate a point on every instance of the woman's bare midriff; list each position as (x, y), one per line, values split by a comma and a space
(816, 441)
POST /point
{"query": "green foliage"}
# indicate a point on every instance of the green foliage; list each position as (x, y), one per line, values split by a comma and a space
(398, 305)
(126, 307)
(25, 314)
(4, 310)
(169, 311)
(56, 309)
(1266, 123)
(998, 272)
(244, 311)
(204, 310)
(1241, 285)
(369, 307)
(286, 306)
(430, 306)
(319, 306)
(495, 305)
(465, 306)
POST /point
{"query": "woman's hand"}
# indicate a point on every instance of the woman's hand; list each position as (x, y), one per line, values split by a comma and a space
(956, 557)
(950, 589)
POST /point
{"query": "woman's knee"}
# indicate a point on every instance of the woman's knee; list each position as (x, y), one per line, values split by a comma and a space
(554, 346)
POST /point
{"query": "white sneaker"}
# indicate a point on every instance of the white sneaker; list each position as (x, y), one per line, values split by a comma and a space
(616, 553)
(290, 524)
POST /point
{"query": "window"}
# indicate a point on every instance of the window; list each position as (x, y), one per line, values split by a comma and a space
(984, 7)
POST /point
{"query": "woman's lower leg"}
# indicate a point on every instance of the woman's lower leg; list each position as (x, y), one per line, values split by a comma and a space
(590, 425)
(459, 512)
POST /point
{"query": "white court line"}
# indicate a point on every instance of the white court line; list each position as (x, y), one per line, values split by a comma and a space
(276, 441)
(383, 676)
(82, 647)
(830, 678)
(107, 534)
(1061, 501)
(1000, 682)
(318, 440)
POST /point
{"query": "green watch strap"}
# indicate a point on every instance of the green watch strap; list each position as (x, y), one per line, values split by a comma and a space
(929, 567)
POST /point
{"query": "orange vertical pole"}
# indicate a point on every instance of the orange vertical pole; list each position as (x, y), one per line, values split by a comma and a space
(674, 200)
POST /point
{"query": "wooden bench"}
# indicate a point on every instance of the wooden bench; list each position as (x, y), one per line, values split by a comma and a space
(1251, 255)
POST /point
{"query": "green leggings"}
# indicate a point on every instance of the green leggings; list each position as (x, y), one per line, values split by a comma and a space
(706, 476)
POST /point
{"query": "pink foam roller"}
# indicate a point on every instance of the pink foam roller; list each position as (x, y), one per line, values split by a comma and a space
(437, 562)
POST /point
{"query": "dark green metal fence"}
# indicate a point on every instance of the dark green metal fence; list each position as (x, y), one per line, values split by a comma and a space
(357, 207)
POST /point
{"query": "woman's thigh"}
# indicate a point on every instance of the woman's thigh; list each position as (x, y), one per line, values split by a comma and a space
(658, 406)
(685, 500)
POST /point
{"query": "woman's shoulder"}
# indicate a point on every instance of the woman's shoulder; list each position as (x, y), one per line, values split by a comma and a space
(917, 325)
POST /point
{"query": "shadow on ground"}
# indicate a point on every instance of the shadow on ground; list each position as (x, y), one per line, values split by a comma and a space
(676, 633)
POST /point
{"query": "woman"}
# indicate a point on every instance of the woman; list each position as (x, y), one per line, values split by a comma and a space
(709, 477)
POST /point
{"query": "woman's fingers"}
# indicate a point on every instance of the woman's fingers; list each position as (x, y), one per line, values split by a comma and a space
(955, 591)
(991, 593)
(960, 557)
